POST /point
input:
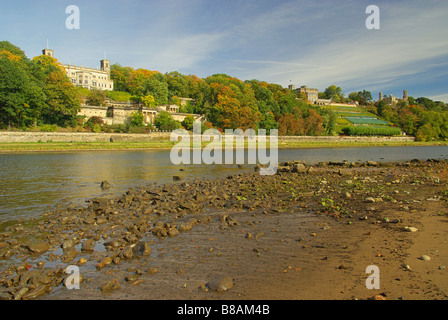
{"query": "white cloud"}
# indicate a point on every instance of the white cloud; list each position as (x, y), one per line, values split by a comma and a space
(180, 52)
(440, 97)
(410, 36)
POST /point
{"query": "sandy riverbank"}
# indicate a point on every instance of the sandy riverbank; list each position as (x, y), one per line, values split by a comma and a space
(306, 234)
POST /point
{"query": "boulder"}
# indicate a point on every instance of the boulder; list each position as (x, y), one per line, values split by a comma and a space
(105, 185)
(38, 247)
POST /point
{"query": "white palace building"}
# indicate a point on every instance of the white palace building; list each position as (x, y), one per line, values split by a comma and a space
(85, 77)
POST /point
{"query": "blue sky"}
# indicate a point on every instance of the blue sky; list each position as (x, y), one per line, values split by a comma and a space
(300, 42)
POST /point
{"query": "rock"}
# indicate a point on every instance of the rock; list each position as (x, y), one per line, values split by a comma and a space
(228, 221)
(36, 292)
(69, 255)
(184, 227)
(88, 246)
(106, 261)
(101, 220)
(113, 243)
(172, 232)
(337, 163)
(131, 277)
(221, 283)
(369, 200)
(68, 244)
(38, 248)
(89, 220)
(177, 178)
(105, 185)
(111, 285)
(425, 257)
(299, 168)
(19, 293)
(310, 170)
(152, 270)
(410, 229)
(348, 195)
(127, 253)
(142, 249)
(343, 172)
(284, 169)
(5, 295)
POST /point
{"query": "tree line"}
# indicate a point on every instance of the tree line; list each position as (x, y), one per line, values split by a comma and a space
(227, 102)
(34, 92)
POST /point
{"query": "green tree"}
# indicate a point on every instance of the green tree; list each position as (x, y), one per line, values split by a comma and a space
(164, 121)
(148, 101)
(136, 119)
(268, 122)
(188, 122)
(121, 77)
(334, 92)
(62, 100)
(21, 96)
(97, 97)
(156, 86)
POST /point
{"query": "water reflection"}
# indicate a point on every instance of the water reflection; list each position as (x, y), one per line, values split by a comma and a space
(33, 182)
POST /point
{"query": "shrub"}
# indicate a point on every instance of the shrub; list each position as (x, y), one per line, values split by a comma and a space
(164, 121)
(49, 128)
(96, 128)
(136, 119)
(371, 131)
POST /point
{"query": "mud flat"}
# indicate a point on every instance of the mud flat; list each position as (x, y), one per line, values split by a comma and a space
(307, 232)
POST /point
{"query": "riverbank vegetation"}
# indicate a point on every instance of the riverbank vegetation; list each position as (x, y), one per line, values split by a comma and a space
(36, 95)
(49, 146)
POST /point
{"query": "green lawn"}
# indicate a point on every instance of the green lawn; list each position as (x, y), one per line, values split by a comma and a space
(80, 146)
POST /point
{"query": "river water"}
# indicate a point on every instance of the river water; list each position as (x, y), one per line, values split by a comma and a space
(32, 183)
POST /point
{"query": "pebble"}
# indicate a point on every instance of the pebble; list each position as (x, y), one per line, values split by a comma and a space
(425, 257)
(221, 283)
(410, 229)
(111, 285)
(132, 277)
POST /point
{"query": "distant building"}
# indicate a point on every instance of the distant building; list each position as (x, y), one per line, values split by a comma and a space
(115, 112)
(85, 77)
(391, 100)
(405, 95)
(312, 95)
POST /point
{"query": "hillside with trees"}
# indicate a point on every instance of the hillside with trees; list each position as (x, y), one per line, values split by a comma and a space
(37, 93)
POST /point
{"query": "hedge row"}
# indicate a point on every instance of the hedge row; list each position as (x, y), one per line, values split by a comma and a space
(371, 131)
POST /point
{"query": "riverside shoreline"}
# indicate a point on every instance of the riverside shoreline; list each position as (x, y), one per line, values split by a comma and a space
(11, 142)
(308, 232)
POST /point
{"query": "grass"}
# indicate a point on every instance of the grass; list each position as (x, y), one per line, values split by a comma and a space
(166, 145)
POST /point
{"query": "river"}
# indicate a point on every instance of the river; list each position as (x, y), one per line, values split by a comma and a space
(32, 183)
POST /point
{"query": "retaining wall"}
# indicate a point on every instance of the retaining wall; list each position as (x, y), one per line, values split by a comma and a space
(7, 136)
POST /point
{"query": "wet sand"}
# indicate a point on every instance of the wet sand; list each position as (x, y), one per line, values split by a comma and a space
(292, 236)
